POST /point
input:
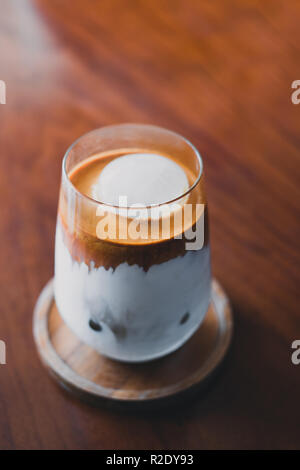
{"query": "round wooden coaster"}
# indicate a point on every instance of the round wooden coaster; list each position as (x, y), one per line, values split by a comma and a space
(92, 376)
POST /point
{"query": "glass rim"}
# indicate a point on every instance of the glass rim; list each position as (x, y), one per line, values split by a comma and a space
(142, 126)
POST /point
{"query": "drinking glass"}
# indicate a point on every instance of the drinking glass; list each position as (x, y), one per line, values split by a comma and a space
(140, 294)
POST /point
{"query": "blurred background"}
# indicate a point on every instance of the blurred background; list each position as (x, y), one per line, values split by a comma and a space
(219, 73)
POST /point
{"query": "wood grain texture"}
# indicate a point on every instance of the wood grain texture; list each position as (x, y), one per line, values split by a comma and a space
(152, 385)
(219, 73)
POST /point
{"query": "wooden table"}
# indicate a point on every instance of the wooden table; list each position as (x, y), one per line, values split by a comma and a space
(219, 73)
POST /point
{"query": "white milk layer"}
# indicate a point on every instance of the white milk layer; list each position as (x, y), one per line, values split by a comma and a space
(143, 178)
(142, 315)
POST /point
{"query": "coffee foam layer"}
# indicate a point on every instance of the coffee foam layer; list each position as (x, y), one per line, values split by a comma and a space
(142, 178)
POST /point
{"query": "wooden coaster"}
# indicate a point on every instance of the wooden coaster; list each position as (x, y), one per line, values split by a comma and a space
(93, 377)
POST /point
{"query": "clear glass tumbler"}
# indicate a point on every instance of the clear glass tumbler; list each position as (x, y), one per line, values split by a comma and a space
(132, 293)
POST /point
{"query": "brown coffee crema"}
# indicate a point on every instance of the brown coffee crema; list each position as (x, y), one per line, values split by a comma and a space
(78, 219)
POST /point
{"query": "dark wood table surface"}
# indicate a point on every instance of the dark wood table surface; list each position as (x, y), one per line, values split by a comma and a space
(219, 73)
